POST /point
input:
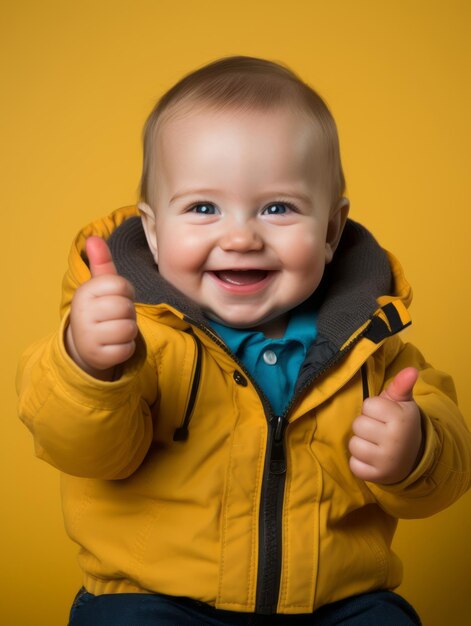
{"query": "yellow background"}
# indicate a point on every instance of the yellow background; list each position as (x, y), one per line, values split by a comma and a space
(77, 81)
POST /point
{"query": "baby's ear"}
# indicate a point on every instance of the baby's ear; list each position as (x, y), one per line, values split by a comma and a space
(337, 219)
(148, 223)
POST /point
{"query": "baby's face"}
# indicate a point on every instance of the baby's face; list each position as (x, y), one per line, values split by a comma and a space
(243, 224)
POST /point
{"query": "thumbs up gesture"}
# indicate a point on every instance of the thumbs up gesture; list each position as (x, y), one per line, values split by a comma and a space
(102, 328)
(387, 436)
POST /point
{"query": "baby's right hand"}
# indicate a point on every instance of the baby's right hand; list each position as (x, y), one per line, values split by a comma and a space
(103, 327)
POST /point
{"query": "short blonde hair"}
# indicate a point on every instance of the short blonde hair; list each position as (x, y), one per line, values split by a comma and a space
(246, 83)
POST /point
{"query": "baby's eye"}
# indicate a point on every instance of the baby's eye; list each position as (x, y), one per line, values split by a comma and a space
(204, 208)
(277, 208)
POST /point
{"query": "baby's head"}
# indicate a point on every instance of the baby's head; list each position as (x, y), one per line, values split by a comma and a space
(242, 190)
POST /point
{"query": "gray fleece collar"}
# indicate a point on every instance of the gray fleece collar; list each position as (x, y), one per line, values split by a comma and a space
(347, 296)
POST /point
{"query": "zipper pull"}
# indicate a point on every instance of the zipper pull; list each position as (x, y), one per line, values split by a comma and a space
(277, 452)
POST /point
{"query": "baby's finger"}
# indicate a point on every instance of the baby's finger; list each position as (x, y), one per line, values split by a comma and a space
(400, 389)
(114, 355)
(109, 285)
(116, 332)
(99, 257)
(364, 450)
(363, 470)
(381, 409)
(369, 429)
(113, 308)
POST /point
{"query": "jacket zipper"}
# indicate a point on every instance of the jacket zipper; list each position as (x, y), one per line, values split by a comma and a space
(271, 518)
(181, 433)
(271, 506)
(273, 484)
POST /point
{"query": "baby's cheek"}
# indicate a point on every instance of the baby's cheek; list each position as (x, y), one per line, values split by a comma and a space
(306, 253)
(181, 254)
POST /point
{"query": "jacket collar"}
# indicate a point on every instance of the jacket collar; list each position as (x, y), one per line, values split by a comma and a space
(359, 275)
(347, 296)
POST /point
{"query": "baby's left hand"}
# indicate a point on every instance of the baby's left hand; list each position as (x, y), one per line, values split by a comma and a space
(388, 435)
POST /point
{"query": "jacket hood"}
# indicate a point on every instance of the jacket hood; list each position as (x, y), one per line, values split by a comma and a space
(360, 276)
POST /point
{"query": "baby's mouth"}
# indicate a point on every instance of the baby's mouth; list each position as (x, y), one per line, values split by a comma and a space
(241, 277)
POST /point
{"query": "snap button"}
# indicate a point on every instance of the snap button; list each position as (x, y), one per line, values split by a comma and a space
(240, 380)
(270, 357)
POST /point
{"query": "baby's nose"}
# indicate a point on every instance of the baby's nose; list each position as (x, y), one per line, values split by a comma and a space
(241, 238)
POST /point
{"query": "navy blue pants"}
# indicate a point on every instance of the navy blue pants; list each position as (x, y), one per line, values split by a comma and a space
(379, 608)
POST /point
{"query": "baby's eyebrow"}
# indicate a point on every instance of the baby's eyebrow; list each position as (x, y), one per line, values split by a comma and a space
(269, 195)
(294, 196)
(191, 192)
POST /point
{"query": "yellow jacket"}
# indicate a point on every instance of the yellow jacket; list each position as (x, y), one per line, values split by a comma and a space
(178, 479)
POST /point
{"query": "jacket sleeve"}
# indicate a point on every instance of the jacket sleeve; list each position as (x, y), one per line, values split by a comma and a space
(81, 425)
(444, 471)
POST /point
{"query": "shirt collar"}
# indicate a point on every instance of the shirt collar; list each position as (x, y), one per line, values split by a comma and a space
(301, 328)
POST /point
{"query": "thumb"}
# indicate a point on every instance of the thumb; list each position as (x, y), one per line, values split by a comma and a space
(400, 388)
(99, 257)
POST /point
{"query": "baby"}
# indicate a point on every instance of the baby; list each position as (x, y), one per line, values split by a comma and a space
(238, 424)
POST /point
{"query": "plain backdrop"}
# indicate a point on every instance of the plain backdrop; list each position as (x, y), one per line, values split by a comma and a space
(77, 82)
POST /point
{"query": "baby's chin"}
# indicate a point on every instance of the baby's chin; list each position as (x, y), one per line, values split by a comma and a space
(271, 327)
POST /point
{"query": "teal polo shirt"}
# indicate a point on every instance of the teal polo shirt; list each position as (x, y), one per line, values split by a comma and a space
(274, 363)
